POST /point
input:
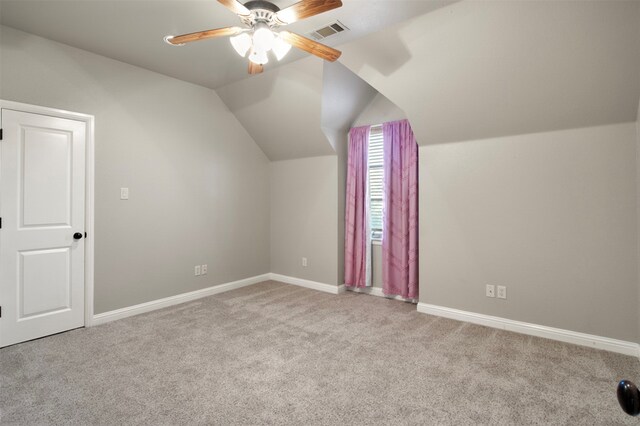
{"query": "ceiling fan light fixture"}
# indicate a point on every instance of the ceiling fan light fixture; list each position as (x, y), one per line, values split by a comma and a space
(257, 36)
(280, 47)
(263, 37)
(258, 56)
(241, 43)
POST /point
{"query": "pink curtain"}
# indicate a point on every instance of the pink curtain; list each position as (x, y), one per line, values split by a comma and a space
(400, 214)
(357, 245)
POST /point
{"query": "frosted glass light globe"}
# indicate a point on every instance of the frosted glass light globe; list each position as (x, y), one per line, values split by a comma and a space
(258, 57)
(280, 47)
(241, 43)
(262, 38)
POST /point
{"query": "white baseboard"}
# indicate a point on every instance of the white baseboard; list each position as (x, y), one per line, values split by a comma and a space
(598, 342)
(193, 295)
(582, 339)
(377, 291)
(327, 288)
(174, 300)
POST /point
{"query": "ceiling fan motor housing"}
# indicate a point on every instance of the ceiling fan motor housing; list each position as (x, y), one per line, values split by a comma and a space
(261, 11)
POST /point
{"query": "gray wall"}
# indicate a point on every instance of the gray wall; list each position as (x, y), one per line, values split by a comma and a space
(343, 156)
(304, 218)
(199, 186)
(339, 140)
(552, 216)
(638, 207)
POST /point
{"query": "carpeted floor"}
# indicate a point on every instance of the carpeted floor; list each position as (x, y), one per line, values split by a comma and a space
(279, 354)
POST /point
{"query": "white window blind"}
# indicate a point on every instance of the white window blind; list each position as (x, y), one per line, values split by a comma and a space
(376, 171)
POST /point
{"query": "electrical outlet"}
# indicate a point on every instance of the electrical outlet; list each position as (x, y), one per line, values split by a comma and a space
(203, 269)
(491, 290)
(304, 262)
(502, 292)
(197, 270)
(124, 193)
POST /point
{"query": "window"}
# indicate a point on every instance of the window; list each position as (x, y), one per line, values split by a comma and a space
(376, 171)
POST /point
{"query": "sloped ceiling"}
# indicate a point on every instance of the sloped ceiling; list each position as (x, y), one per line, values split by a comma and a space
(281, 109)
(131, 31)
(344, 96)
(295, 110)
(479, 69)
(379, 110)
(459, 70)
(467, 71)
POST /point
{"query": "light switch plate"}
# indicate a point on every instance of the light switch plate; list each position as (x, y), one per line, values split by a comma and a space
(197, 270)
(203, 270)
(124, 193)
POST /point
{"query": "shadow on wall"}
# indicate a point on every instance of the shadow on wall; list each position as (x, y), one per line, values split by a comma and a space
(391, 54)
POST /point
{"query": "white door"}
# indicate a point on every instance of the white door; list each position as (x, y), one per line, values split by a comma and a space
(42, 190)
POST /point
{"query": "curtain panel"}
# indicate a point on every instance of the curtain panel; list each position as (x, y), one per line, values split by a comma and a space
(400, 214)
(357, 248)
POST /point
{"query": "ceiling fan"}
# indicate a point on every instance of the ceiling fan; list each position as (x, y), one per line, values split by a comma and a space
(261, 19)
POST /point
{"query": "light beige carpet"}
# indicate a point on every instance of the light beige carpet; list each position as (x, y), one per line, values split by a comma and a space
(278, 354)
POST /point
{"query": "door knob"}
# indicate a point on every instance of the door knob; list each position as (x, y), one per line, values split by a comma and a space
(77, 236)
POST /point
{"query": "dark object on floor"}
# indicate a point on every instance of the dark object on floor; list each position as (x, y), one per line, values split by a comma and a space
(629, 397)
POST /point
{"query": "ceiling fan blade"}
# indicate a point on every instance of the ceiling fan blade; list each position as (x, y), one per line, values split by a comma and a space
(255, 68)
(320, 50)
(203, 35)
(305, 9)
(236, 7)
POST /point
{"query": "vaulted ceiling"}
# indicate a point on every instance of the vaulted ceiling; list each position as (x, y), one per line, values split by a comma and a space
(281, 109)
(479, 69)
(459, 70)
(293, 111)
(132, 31)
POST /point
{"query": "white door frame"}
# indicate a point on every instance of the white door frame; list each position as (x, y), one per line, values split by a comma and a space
(89, 243)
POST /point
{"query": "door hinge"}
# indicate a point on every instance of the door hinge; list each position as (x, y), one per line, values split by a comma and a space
(0, 134)
(85, 235)
(0, 223)
(0, 311)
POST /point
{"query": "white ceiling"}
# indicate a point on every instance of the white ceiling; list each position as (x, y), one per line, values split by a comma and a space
(132, 31)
